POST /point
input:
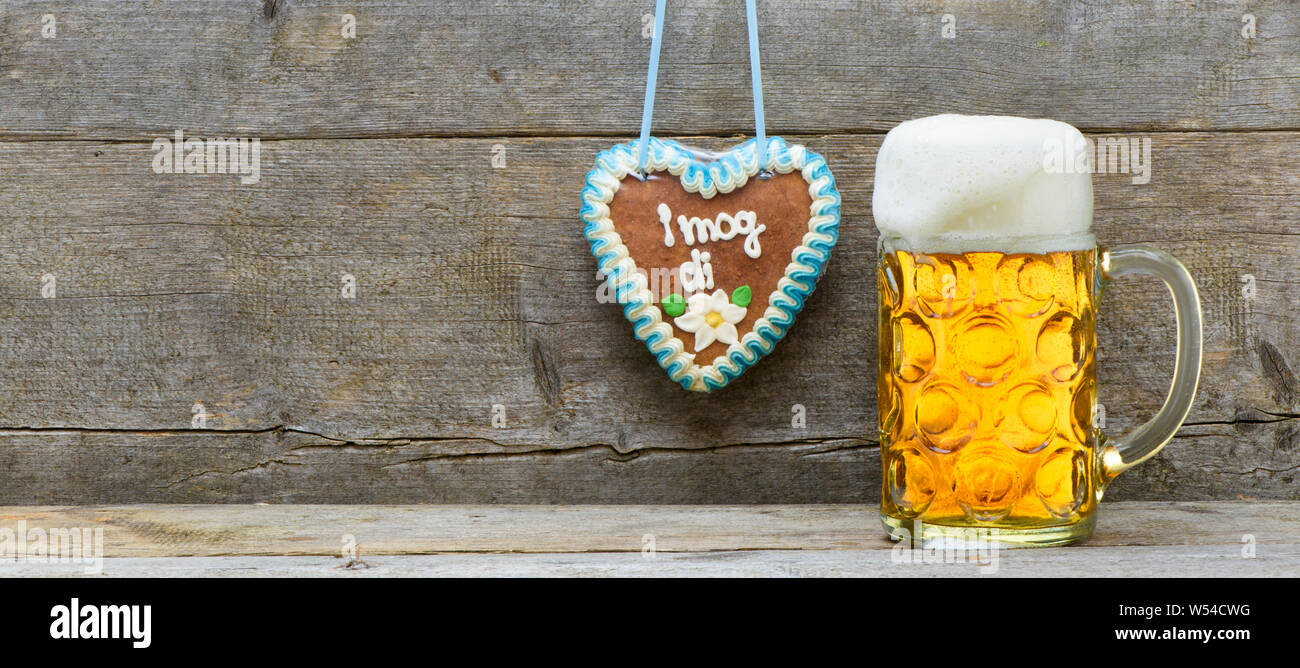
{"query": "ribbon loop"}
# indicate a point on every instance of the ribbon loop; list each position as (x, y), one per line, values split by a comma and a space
(755, 80)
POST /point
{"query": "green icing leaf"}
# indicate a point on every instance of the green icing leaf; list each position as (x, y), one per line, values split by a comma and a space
(674, 305)
(742, 296)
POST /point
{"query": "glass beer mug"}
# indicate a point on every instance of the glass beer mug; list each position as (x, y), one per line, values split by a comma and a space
(989, 281)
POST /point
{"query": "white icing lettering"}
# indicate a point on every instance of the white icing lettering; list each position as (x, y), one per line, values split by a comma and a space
(747, 224)
(717, 233)
(723, 227)
(752, 247)
(687, 272)
(693, 229)
(666, 215)
(697, 273)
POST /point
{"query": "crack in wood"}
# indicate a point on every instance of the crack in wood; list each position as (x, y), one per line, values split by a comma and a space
(270, 8)
(244, 469)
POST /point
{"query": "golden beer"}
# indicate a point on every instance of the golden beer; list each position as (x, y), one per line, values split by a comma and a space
(987, 389)
(989, 276)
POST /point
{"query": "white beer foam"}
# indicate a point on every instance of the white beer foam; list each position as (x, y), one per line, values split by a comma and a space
(954, 183)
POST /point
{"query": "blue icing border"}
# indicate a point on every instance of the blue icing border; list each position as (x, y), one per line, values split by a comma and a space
(728, 171)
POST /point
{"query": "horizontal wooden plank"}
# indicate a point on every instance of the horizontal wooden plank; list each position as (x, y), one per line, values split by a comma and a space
(284, 69)
(476, 289)
(1217, 561)
(286, 530)
(147, 531)
(1132, 540)
(290, 467)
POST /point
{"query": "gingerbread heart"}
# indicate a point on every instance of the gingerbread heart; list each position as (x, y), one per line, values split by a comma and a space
(710, 263)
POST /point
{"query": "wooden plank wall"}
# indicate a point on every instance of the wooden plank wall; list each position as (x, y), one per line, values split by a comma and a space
(475, 288)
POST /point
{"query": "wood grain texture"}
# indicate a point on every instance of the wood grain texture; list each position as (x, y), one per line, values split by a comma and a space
(293, 530)
(475, 286)
(1217, 561)
(283, 69)
(476, 289)
(1133, 539)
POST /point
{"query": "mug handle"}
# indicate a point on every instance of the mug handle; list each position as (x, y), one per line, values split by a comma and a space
(1135, 447)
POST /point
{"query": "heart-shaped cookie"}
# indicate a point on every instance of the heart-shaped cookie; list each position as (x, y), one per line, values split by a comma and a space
(710, 263)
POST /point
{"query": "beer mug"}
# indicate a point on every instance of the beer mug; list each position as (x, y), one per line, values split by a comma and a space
(989, 280)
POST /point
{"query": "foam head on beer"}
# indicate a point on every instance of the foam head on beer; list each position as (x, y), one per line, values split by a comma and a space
(954, 183)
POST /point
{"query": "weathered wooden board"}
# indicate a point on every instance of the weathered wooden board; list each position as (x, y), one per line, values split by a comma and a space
(289, 530)
(476, 289)
(1217, 561)
(1134, 539)
(273, 68)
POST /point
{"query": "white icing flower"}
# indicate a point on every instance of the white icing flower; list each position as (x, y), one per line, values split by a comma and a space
(710, 317)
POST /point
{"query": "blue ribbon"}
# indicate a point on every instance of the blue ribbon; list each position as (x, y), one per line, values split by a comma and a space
(755, 80)
(756, 84)
(647, 110)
